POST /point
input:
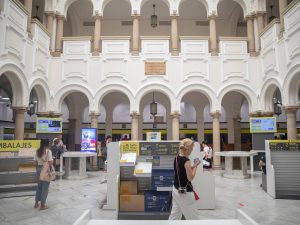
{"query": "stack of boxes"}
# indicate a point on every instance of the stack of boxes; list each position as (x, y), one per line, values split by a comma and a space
(151, 193)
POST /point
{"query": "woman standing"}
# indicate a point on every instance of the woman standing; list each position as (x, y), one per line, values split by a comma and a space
(43, 154)
(183, 197)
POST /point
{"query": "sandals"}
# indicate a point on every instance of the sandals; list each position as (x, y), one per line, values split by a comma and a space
(36, 205)
(43, 207)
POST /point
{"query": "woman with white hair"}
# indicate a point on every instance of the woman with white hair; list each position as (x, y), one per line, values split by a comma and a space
(183, 197)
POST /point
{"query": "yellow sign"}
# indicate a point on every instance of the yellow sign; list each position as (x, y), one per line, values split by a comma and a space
(15, 145)
(130, 146)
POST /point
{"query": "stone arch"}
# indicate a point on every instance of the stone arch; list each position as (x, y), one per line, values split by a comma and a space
(243, 89)
(103, 91)
(267, 92)
(167, 2)
(43, 94)
(69, 2)
(203, 89)
(291, 85)
(242, 3)
(18, 83)
(162, 88)
(204, 3)
(68, 89)
(105, 3)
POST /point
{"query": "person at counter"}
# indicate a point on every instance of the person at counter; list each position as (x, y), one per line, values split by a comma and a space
(184, 199)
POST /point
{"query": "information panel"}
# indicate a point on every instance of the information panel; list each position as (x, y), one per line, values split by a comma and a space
(263, 125)
(284, 145)
(88, 139)
(48, 125)
(159, 148)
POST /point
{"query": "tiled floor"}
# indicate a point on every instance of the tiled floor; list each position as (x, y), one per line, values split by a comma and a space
(68, 199)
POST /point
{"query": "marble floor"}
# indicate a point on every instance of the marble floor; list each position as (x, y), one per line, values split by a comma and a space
(68, 200)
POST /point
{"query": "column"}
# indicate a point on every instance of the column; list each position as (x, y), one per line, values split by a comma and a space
(28, 6)
(250, 32)
(50, 17)
(200, 125)
(230, 128)
(97, 35)
(291, 116)
(282, 6)
(256, 34)
(140, 136)
(216, 138)
(260, 26)
(213, 35)
(175, 125)
(169, 125)
(94, 124)
(174, 35)
(19, 122)
(237, 134)
(59, 35)
(108, 122)
(71, 134)
(135, 126)
(135, 35)
(94, 119)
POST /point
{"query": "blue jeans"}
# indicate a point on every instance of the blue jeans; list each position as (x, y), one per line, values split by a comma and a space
(42, 188)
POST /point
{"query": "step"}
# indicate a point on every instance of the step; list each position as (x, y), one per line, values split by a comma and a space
(17, 187)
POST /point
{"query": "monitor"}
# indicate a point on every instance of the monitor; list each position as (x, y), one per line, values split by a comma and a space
(88, 139)
(263, 125)
(48, 125)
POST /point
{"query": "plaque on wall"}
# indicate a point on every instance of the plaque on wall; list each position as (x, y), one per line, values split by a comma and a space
(155, 68)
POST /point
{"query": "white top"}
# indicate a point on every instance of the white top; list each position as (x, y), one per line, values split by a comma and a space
(79, 154)
(236, 153)
(207, 151)
(44, 158)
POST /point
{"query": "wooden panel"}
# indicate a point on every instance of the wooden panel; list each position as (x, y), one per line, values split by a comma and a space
(155, 68)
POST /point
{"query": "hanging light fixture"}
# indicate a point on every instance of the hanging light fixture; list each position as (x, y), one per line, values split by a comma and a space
(36, 14)
(277, 104)
(31, 108)
(153, 107)
(154, 18)
(271, 17)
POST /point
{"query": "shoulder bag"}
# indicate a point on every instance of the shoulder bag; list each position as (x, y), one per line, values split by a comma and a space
(47, 172)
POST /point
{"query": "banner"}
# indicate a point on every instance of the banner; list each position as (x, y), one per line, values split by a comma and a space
(88, 139)
(15, 145)
(130, 146)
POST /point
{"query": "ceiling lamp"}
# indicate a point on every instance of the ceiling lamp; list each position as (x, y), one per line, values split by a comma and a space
(153, 107)
(153, 18)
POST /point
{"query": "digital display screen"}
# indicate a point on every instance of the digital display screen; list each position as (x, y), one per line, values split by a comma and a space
(48, 125)
(88, 139)
(263, 125)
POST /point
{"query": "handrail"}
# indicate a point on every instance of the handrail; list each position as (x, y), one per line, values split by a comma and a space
(203, 38)
(78, 38)
(228, 38)
(269, 26)
(40, 25)
(21, 6)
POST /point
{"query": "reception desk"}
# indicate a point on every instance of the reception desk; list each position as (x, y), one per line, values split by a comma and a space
(81, 172)
(237, 174)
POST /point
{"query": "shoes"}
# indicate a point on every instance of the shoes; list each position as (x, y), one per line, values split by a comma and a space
(43, 207)
(36, 205)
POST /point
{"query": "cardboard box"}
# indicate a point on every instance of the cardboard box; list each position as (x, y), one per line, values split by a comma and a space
(132, 203)
(128, 188)
(126, 173)
(157, 201)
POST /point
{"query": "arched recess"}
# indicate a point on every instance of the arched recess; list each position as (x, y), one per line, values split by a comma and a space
(69, 89)
(116, 13)
(70, 2)
(243, 89)
(18, 83)
(162, 11)
(290, 86)
(104, 91)
(193, 18)
(242, 3)
(167, 2)
(106, 2)
(150, 88)
(200, 88)
(80, 14)
(230, 20)
(43, 94)
(267, 93)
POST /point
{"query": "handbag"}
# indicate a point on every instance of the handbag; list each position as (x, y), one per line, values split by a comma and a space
(47, 172)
